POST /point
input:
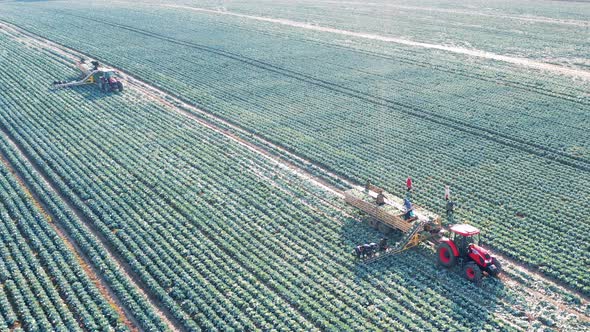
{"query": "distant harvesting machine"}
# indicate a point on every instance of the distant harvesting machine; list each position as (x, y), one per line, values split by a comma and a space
(92, 73)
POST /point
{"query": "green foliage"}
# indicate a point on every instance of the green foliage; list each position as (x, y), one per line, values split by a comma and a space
(226, 241)
(512, 143)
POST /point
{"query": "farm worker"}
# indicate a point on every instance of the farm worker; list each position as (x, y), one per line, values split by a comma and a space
(409, 183)
(407, 204)
(365, 250)
(450, 211)
(370, 249)
(409, 209)
(447, 193)
(359, 251)
(380, 198)
(368, 185)
(383, 244)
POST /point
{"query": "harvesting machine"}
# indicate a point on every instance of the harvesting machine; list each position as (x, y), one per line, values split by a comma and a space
(92, 73)
(456, 245)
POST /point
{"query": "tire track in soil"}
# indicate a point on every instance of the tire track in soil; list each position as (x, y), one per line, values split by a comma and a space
(216, 124)
(99, 281)
(527, 18)
(93, 275)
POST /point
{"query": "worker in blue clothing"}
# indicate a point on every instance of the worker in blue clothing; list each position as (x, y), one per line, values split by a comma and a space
(409, 209)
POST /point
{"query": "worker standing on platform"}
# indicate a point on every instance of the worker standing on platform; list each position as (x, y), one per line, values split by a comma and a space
(409, 209)
(380, 200)
(368, 185)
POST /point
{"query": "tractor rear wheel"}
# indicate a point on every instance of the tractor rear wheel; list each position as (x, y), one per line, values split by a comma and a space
(445, 255)
(497, 270)
(472, 272)
(120, 86)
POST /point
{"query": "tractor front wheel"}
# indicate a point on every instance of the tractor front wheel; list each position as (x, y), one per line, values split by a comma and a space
(497, 270)
(472, 272)
(445, 255)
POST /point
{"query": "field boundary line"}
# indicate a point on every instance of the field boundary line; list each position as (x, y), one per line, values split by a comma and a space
(212, 121)
(96, 278)
(162, 312)
(583, 74)
(528, 18)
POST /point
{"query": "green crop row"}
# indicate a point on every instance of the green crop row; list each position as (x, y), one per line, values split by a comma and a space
(513, 146)
(44, 286)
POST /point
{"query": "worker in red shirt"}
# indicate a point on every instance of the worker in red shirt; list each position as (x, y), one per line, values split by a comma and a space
(409, 183)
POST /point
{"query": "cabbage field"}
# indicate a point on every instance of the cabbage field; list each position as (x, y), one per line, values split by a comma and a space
(205, 196)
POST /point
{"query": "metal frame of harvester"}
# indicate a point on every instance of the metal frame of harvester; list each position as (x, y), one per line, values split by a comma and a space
(456, 245)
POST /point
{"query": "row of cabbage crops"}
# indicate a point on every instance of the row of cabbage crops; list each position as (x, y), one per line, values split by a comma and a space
(513, 146)
(43, 286)
(214, 233)
(84, 311)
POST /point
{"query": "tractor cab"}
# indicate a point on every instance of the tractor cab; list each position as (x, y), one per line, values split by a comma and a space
(108, 74)
(464, 237)
(462, 247)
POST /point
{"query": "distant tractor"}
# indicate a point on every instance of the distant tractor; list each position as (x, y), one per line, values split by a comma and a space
(106, 79)
(462, 249)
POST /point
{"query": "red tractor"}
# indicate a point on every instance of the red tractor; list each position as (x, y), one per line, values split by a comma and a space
(462, 249)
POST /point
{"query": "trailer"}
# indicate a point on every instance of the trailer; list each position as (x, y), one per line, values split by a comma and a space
(389, 214)
(457, 245)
